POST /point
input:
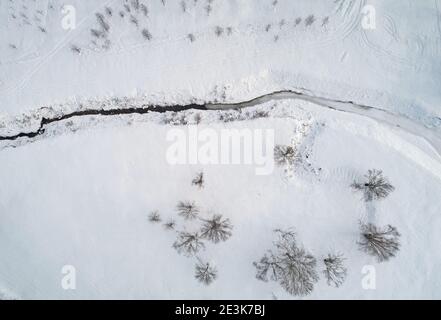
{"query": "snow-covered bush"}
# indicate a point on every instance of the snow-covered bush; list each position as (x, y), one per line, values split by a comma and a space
(288, 264)
(284, 155)
(383, 243)
(335, 272)
(375, 186)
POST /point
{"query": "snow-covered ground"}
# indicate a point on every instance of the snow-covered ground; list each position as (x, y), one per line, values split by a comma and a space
(80, 193)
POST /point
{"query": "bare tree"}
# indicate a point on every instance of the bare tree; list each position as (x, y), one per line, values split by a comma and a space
(335, 272)
(216, 229)
(154, 217)
(187, 209)
(205, 273)
(375, 187)
(188, 243)
(198, 180)
(291, 266)
(383, 243)
(284, 155)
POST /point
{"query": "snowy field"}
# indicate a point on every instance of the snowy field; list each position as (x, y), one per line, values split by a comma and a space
(89, 204)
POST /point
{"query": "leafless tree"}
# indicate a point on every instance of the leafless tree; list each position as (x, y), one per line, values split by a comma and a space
(198, 180)
(383, 243)
(154, 217)
(375, 187)
(288, 264)
(216, 229)
(335, 272)
(187, 209)
(205, 273)
(188, 243)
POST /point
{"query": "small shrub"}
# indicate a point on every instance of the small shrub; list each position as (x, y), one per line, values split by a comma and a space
(198, 180)
(75, 49)
(102, 22)
(170, 225)
(191, 37)
(218, 31)
(146, 34)
(309, 20)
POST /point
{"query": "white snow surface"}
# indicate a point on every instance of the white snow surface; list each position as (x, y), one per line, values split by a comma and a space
(80, 194)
